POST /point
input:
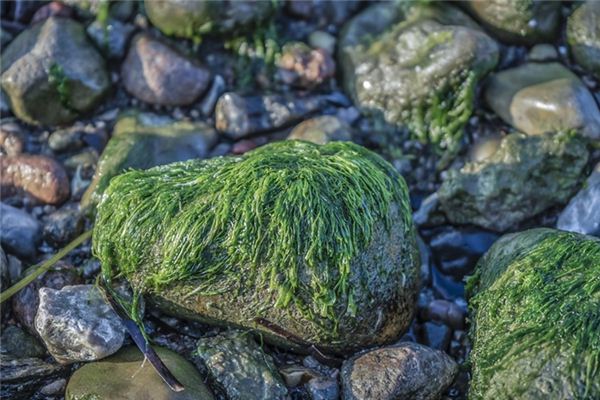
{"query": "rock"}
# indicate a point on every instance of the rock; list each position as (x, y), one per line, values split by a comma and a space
(15, 269)
(192, 19)
(323, 389)
(542, 52)
(583, 36)
(376, 262)
(518, 21)
(40, 177)
(76, 324)
(537, 98)
(77, 137)
(52, 74)
(417, 65)
(53, 9)
(324, 13)
(63, 225)
(533, 339)
(304, 67)
(212, 96)
(322, 40)
(240, 368)
(435, 335)
(144, 140)
(445, 312)
(238, 116)
(21, 377)
(243, 146)
(11, 139)
(20, 344)
(169, 77)
(407, 371)
(126, 375)
(54, 388)
(321, 130)
(526, 175)
(20, 232)
(484, 147)
(111, 37)
(4, 271)
(582, 214)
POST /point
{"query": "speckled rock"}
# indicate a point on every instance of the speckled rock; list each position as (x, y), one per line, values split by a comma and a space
(63, 225)
(583, 36)
(321, 130)
(582, 214)
(11, 139)
(52, 73)
(240, 368)
(407, 371)
(21, 377)
(20, 233)
(302, 66)
(111, 37)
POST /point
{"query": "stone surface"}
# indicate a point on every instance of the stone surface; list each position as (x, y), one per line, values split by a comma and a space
(542, 52)
(76, 324)
(144, 140)
(63, 225)
(4, 271)
(20, 232)
(168, 78)
(323, 389)
(21, 377)
(40, 177)
(111, 37)
(583, 36)
(407, 371)
(302, 66)
(127, 376)
(321, 130)
(525, 176)
(52, 74)
(239, 367)
(582, 214)
(11, 139)
(20, 344)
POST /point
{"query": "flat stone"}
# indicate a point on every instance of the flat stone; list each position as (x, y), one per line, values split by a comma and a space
(21, 377)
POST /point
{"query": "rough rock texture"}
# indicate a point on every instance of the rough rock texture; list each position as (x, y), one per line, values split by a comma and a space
(407, 371)
(240, 368)
(127, 376)
(582, 214)
(76, 324)
(302, 66)
(20, 344)
(518, 21)
(21, 377)
(249, 215)
(417, 65)
(155, 73)
(525, 176)
(535, 307)
(40, 177)
(321, 130)
(583, 36)
(52, 73)
(111, 37)
(537, 98)
(144, 140)
(20, 233)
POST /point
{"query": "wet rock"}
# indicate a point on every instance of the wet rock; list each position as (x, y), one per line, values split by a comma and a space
(20, 344)
(52, 9)
(21, 377)
(323, 389)
(169, 77)
(322, 40)
(445, 312)
(436, 335)
(296, 375)
(518, 21)
(40, 177)
(537, 98)
(11, 139)
(111, 37)
(51, 73)
(192, 19)
(324, 13)
(127, 375)
(212, 96)
(304, 67)
(404, 371)
(15, 269)
(582, 214)
(20, 232)
(532, 339)
(542, 52)
(76, 137)
(144, 140)
(243, 146)
(322, 130)
(484, 147)
(76, 324)
(240, 368)
(54, 388)
(583, 36)
(63, 225)
(527, 175)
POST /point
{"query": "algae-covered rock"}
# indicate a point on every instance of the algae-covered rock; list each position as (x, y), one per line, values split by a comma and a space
(317, 240)
(535, 307)
(417, 65)
(583, 36)
(518, 21)
(525, 176)
(144, 140)
(192, 18)
(52, 73)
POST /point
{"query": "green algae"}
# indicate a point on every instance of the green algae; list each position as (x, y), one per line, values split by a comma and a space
(535, 302)
(296, 213)
(58, 79)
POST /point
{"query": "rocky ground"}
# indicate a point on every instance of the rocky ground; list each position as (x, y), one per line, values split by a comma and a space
(488, 111)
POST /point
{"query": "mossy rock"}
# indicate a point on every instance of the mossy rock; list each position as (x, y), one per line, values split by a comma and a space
(583, 36)
(535, 307)
(417, 65)
(317, 240)
(525, 176)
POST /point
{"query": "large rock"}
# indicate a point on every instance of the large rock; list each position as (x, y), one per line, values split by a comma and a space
(535, 302)
(239, 367)
(582, 214)
(21, 377)
(128, 376)
(518, 21)
(583, 36)
(538, 98)
(155, 73)
(52, 73)
(407, 371)
(524, 177)
(417, 65)
(144, 140)
(20, 233)
(76, 324)
(317, 240)
(192, 19)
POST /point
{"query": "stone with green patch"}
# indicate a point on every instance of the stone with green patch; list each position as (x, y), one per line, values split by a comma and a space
(583, 36)
(535, 307)
(317, 240)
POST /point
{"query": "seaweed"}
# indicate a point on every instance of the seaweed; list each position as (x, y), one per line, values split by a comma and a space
(58, 80)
